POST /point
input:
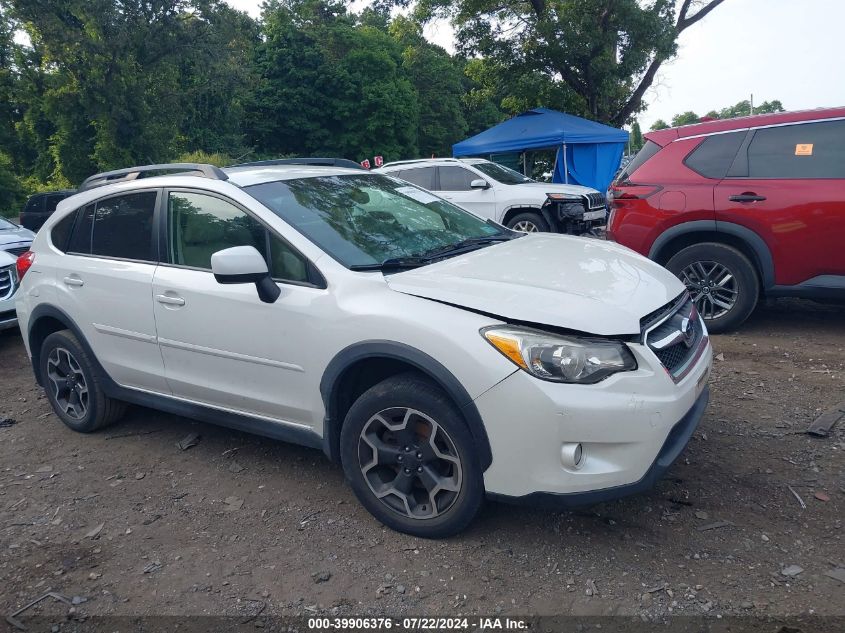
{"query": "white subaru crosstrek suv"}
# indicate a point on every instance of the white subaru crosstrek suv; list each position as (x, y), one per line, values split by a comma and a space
(506, 196)
(440, 357)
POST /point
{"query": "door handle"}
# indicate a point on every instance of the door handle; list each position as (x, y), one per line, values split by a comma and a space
(170, 301)
(73, 281)
(748, 196)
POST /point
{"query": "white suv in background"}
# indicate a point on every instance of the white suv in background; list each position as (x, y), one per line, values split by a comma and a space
(506, 196)
(14, 240)
(438, 356)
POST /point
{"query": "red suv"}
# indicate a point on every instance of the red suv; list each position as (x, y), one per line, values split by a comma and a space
(740, 208)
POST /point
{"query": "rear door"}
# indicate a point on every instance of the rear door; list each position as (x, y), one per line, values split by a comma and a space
(787, 184)
(105, 284)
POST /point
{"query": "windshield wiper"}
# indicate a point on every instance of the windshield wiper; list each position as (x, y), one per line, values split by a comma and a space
(468, 244)
(393, 263)
(415, 261)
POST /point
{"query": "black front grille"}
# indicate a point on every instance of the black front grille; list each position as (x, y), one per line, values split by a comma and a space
(6, 283)
(595, 201)
(677, 355)
(661, 312)
(18, 251)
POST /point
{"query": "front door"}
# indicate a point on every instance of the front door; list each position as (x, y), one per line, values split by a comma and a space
(221, 345)
(454, 185)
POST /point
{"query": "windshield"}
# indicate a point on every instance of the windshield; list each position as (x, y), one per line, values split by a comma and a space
(503, 174)
(367, 219)
(6, 225)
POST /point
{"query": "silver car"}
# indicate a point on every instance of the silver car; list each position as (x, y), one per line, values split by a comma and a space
(14, 240)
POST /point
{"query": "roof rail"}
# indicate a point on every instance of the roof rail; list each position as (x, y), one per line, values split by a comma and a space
(315, 162)
(132, 173)
(420, 160)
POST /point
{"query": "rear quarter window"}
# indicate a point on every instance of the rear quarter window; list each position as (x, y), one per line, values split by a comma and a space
(715, 154)
(648, 151)
(60, 235)
(34, 205)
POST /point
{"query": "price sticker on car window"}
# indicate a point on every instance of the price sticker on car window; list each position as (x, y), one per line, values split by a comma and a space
(417, 194)
(804, 149)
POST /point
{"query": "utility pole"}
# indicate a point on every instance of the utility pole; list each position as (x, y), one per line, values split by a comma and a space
(752, 104)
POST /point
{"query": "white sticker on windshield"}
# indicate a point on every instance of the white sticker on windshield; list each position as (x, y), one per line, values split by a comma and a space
(417, 194)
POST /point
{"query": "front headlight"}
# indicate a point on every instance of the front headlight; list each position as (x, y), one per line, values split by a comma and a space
(564, 197)
(560, 358)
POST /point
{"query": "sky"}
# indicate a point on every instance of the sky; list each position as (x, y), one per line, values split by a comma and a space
(791, 50)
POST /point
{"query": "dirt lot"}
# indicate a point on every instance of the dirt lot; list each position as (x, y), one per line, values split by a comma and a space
(135, 525)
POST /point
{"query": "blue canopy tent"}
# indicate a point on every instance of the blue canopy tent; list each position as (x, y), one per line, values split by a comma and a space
(588, 153)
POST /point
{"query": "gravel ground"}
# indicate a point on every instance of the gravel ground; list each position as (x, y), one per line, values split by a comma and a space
(238, 524)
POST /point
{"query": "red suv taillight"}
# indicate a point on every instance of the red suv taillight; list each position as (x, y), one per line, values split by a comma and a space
(24, 263)
(633, 191)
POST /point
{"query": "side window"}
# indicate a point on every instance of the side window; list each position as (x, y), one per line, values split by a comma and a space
(455, 179)
(714, 155)
(80, 240)
(60, 234)
(808, 150)
(199, 225)
(51, 202)
(123, 227)
(35, 204)
(421, 177)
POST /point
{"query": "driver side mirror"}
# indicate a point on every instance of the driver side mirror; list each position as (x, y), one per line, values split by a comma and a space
(479, 183)
(245, 265)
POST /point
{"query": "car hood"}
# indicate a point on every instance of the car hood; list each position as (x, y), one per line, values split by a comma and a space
(576, 283)
(550, 187)
(15, 235)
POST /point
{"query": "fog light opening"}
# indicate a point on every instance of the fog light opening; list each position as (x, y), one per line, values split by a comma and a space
(572, 455)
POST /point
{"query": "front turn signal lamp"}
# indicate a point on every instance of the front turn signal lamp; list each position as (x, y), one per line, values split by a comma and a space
(560, 358)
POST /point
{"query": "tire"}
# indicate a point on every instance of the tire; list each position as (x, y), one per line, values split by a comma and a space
(527, 219)
(376, 459)
(718, 275)
(73, 386)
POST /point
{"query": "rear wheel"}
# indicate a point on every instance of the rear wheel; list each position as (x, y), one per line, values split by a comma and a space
(72, 385)
(721, 280)
(410, 458)
(528, 222)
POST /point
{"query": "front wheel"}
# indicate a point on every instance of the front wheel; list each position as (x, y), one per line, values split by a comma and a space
(410, 458)
(528, 222)
(722, 282)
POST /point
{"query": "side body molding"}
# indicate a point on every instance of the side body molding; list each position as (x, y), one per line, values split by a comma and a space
(423, 362)
(231, 419)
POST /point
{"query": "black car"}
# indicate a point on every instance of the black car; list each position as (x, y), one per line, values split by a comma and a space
(40, 206)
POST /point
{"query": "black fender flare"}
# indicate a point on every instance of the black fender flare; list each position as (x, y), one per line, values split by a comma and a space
(420, 360)
(759, 247)
(51, 311)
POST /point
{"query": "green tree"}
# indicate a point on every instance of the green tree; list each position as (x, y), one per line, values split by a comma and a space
(660, 124)
(437, 80)
(743, 108)
(685, 118)
(328, 84)
(636, 136)
(605, 53)
(121, 83)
